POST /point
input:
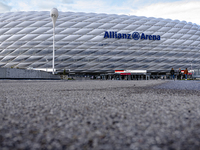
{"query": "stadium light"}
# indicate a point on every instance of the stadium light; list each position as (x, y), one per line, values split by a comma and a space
(54, 16)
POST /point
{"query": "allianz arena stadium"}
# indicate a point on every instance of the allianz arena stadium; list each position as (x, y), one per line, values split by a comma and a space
(97, 43)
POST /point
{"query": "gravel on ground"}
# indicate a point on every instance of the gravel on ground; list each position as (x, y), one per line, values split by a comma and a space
(100, 115)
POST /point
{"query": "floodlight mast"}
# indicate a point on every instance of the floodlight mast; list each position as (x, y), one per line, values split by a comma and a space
(54, 16)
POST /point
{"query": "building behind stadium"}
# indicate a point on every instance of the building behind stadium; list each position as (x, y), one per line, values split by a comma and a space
(97, 43)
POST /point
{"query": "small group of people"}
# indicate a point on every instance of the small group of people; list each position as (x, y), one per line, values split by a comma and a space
(179, 74)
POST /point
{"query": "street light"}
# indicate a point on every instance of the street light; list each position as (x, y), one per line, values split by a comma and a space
(54, 16)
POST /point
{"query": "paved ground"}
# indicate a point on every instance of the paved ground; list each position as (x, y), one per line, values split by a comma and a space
(112, 115)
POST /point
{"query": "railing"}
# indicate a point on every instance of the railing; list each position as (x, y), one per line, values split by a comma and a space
(196, 74)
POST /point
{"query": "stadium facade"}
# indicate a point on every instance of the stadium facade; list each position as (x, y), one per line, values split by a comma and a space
(96, 43)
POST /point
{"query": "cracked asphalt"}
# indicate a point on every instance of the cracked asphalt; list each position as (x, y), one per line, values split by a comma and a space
(100, 115)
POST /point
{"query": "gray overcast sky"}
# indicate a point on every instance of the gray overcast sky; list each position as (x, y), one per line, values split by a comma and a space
(187, 10)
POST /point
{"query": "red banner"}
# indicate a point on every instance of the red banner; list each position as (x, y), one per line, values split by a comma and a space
(119, 71)
(125, 73)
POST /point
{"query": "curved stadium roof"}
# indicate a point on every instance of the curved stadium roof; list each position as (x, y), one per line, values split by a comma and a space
(26, 41)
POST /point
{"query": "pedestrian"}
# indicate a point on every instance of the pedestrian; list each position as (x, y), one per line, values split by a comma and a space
(172, 73)
(179, 74)
(186, 73)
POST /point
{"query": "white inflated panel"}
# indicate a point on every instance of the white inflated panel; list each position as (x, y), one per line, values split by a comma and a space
(26, 40)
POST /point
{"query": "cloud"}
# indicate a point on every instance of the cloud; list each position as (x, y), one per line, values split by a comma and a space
(34, 5)
(86, 6)
(181, 10)
(94, 6)
(44, 5)
(68, 1)
(4, 8)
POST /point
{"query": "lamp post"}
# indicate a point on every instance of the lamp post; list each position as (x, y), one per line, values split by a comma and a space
(54, 16)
